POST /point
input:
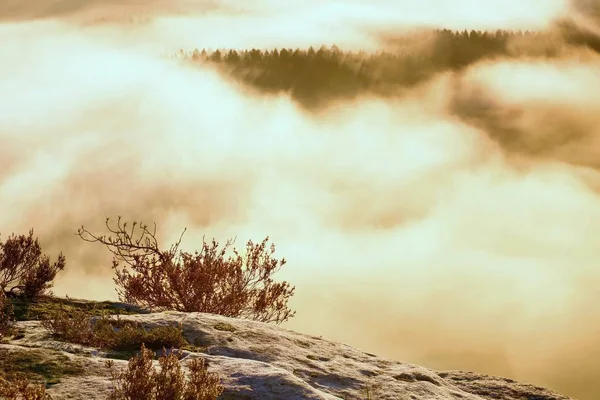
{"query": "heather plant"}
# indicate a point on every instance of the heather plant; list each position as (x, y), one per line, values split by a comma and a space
(205, 281)
(140, 381)
(22, 389)
(76, 326)
(23, 266)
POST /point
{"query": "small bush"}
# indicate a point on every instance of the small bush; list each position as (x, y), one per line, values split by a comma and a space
(132, 335)
(107, 333)
(202, 384)
(206, 281)
(142, 382)
(74, 326)
(22, 389)
(24, 267)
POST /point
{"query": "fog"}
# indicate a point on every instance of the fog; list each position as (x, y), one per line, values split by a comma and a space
(456, 226)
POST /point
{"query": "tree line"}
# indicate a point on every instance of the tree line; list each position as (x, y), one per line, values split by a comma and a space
(316, 75)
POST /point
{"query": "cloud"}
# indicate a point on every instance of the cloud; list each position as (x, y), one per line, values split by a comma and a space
(265, 24)
(454, 226)
(546, 109)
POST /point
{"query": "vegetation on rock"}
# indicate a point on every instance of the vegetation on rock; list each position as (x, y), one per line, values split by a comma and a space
(238, 286)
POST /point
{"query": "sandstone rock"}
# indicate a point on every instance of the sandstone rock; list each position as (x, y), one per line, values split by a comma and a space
(262, 361)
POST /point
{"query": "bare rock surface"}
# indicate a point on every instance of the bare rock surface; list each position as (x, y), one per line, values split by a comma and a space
(262, 361)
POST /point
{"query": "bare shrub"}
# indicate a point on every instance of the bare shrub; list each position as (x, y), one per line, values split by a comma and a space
(140, 381)
(22, 389)
(24, 267)
(205, 281)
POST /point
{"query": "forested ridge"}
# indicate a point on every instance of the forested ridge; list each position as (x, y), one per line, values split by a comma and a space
(314, 76)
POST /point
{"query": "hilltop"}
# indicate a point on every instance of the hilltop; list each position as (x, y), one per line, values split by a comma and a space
(255, 360)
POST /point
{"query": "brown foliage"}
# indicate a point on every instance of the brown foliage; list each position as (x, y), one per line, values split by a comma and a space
(21, 389)
(202, 384)
(23, 265)
(76, 327)
(205, 281)
(142, 382)
(6, 315)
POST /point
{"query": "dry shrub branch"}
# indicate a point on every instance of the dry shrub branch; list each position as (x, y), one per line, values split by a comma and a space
(24, 267)
(204, 281)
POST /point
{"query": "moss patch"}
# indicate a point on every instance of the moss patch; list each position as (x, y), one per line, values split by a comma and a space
(195, 349)
(44, 306)
(223, 326)
(36, 365)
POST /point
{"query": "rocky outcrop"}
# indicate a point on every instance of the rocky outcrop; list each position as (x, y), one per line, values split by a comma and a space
(262, 361)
